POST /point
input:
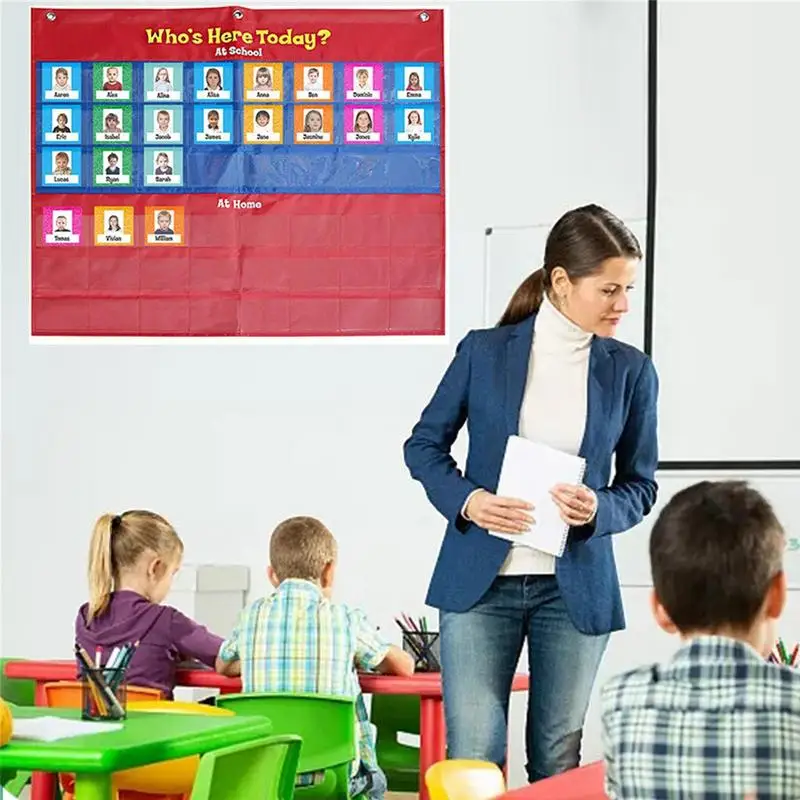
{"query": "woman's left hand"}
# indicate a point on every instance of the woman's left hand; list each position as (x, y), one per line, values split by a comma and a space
(576, 504)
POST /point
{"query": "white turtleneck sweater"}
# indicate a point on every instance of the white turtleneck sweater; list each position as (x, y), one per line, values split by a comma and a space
(553, 408)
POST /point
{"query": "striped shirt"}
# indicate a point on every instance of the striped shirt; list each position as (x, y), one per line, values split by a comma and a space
(716, 722)
(297, 641)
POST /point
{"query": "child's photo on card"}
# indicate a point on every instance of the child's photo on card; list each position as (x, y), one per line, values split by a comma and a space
(363, 81)
(163, 82)
(213, 81)
(61, 166)
(213, 124)
(363, 124)
(113, 225)
(263, 82)
(414, 124)
(61, 225)
(164, 224)
(414, 81)
(112, 123)
(60, 81)
(313, 81)
(313, 125)
(263, 124)
(163, 124)
(112, 167)
(112, 81)
(61, 123)
(163, 167)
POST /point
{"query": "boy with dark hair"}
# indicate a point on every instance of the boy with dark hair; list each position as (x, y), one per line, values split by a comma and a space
(297, 640)
(718, 721)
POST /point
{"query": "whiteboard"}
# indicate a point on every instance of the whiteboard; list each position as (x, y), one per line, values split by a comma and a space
(513, 252)
(727, 280)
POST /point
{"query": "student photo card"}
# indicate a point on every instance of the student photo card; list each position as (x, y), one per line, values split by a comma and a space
(415, 123)
(363, 124)
(60, 166)
(213, 82)
(164, 225)
(112, 81)
(263, 82)
(163, 124)
(163, 166)
(113, 166)
(313, 82)
(363, 81)
(60, 81)
(163, 82)
(111, 123)
(60, 124)
(313, 124)
(263, 124)
(213, 124)
(415, 81)
(113, 225)
(62, 225)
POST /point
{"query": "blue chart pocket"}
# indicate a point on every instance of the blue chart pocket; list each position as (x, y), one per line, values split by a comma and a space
(60, 124)
(417, 123)
(60, 82)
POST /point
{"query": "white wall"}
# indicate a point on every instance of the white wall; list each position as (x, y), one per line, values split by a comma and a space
(226, 440)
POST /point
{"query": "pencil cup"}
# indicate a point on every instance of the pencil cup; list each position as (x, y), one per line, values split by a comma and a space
(426, 649)
(103, 694)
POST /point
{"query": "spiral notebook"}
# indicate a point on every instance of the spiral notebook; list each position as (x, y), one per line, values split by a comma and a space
(529, 471)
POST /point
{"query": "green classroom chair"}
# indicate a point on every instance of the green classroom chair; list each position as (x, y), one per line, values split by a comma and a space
(17, 692)
(263, 769)
(392, 714)
(327, 726)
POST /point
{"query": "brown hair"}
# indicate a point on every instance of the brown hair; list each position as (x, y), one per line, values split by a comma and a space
(301, 547)
(117, 544)
(579, 242)
(714, 550)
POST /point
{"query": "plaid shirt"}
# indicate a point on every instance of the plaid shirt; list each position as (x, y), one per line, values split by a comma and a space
(718, 721)
(297, 641)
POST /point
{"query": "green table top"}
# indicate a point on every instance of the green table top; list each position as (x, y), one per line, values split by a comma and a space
(146, 738)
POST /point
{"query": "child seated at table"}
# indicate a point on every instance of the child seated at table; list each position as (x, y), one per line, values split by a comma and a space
(278, 638)
(133, 558)
(718, 720)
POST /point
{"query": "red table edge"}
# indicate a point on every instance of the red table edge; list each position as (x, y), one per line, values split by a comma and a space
(586, 782)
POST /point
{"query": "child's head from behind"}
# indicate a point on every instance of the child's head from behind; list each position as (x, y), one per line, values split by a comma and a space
(716, 553)
(136, 550)
(302, 548)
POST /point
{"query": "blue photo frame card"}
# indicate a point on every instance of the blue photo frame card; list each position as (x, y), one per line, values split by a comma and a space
(60, 81)
(415, 81)
(213, 82)
(60, 124)
(60, 166)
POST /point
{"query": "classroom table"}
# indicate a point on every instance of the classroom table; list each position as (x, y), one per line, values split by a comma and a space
(144, 739)
(583, 783)
(426, 685)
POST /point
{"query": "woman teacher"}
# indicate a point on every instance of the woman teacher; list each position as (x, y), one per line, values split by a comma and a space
(550, 372)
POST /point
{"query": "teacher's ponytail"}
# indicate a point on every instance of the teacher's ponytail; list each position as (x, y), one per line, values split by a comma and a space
(526, 300)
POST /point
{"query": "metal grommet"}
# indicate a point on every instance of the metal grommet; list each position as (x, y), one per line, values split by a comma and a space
(424, 16)
(238, 13)
(50, 16)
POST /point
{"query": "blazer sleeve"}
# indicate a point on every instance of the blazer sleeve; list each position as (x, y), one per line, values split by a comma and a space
(633, 491)
(427, 450)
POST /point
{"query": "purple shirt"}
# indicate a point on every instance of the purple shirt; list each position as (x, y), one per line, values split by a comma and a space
(166, 637)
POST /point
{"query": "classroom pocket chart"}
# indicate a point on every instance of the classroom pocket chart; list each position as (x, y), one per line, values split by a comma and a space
(238, 173)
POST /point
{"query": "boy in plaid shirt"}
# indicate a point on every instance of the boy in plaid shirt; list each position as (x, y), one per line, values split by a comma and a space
(718, 721)
(297, 640)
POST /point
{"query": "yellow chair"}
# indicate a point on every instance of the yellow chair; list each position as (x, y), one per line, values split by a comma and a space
(464, 780)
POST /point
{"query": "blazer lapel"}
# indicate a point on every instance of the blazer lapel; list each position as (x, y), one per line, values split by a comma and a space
(518, 356)
(600, 395)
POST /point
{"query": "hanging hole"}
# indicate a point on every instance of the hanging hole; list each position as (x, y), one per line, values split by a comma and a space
(50, 16)
(238, 13)
(424, 16)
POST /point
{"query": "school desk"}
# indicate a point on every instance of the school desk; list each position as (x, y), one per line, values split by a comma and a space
(583, 783)
(144, 739)
(428, 686)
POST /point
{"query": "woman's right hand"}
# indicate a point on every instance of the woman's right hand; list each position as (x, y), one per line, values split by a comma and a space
(501, 514)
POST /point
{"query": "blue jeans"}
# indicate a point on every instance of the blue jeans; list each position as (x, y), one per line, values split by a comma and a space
(480, 651)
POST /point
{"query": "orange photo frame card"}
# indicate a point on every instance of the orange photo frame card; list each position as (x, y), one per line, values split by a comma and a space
(263, 82)
(262, 124)
(113, 225)
(313, 124)
(164, 224)
(313, 82)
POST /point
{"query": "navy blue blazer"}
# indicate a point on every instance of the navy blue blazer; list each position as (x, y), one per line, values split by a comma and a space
(483, 386)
